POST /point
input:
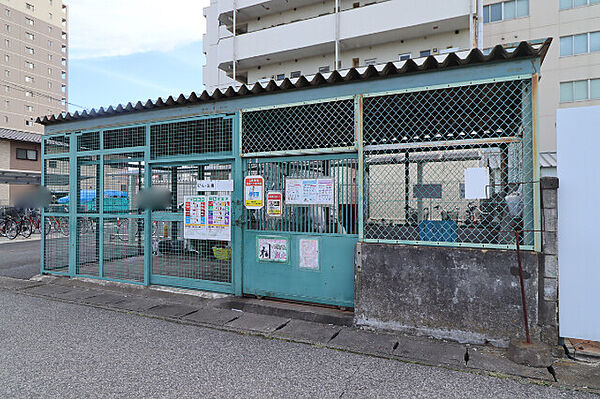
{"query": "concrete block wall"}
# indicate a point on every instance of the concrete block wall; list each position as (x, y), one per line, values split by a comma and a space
(548, 296)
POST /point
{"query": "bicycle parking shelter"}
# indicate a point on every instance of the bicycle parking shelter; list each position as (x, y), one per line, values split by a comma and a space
(377, 155)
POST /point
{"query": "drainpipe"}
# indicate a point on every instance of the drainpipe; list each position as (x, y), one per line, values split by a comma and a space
(476, 24)
(337, 35)
(472, 24)
(480, 24)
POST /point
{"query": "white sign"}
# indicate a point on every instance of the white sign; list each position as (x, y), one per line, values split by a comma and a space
(254, 188)
(477, 181)
(309, 191)
(272, 249)
(207, 217)
(309, 254)
(214, 185)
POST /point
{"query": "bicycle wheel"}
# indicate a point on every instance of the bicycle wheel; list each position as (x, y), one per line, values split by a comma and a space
(63, 227)
(11, 228)
(123, 230)
(25, 228)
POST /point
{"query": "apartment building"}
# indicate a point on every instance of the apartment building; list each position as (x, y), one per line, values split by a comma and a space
(33, 62)
(279, 39)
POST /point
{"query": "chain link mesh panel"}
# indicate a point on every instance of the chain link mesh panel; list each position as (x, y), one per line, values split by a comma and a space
(123, 179)
(56, 145)
(88, 247)
(419, 148)
(88, 184)
(200, 136)
(89, 141)
(301, 127)
(339, 218)
(56, 244)
(125, 137)
(56, 180)
(123, 254)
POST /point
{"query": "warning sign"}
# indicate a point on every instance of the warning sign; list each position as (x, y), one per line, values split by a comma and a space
(271, 249)
(254, 192)
(274, 203)
(309, 191)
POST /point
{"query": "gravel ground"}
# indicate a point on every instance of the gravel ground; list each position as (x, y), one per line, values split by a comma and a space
(57, 350)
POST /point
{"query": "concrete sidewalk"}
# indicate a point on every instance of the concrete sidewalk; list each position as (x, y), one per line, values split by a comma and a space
(320, 326)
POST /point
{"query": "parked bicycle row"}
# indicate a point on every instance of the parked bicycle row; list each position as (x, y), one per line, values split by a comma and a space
(15, 222)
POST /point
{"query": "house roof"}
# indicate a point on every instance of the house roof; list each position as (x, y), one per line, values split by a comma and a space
(19, 135)
(432, 63)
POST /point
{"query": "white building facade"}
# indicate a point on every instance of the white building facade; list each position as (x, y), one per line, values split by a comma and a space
(277, 39)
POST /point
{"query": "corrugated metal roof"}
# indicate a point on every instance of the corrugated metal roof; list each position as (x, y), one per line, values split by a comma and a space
(548, 159)
(431, 63)
(19, 135)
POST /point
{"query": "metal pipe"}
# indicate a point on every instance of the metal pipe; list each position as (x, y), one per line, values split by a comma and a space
(479, 30)
(525, 317)
(234, 43)
(337, 34)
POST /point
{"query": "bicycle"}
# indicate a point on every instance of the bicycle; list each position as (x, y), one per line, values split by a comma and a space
(57, 224)
(9, 228)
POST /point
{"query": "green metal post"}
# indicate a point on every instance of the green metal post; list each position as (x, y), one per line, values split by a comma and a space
(72, 204)
(237, 208)
(100, 210)
(358, 134)
(42, 210)
(147, 214)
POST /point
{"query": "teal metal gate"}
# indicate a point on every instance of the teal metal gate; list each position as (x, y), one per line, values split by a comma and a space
(305, 252)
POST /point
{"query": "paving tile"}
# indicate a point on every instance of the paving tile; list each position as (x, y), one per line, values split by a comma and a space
(258, 322)
(105, 299)
(365, 341)
(431, 351)
(17, 284)
(172, 310)
(137, 303)
(47, 290)
(76, 294)
(309, 331)
(214, 316)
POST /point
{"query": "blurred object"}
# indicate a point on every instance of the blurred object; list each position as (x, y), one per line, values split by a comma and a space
(152, 198)
(37, 197)
(222, 253)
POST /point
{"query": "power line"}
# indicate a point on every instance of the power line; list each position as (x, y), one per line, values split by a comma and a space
(40, 94)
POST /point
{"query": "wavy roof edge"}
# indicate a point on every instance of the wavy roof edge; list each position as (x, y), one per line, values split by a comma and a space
(524, 49)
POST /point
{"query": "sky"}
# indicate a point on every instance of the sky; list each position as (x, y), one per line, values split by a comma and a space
(121, 51)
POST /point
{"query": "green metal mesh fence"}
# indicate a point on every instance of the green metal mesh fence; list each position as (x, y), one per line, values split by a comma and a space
(425, 153)
(123, 249)
(88, 246)
(56, 244)
(56, 178)
(123, 180)
(313, 126)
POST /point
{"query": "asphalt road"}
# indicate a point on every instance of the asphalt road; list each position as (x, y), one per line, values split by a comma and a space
(58, 350)
(20, 259)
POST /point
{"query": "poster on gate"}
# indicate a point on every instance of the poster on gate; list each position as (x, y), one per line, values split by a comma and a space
(254, 187)
(207, 217)
(272, 249)
(274, 204)
(309, 191)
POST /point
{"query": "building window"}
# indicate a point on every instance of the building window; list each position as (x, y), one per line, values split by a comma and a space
(6, 57)
(6, 119)
(29, 79)
(324, 69)
(506, 10)
(49, 57)
(580, 90)
(6, 104)
(7, 12)
(28, 93)
(50, 15)
(404, 57)
(29, 35)
(29, 65)
(370, 61)
(28, 122)
(566, 4)
(49, 29)
(425, 53)
(30, 21)
(49, 71)
(7, 43)
(49, 43)
(7, 27)
(49, 85)
(7, 89)
(6, 73)
(63, 75)
(30, 7)
(295, 74)
(582, 43)
(26, 154)
(281, 76)
(64, 88)
(30, 50)
(29, 108)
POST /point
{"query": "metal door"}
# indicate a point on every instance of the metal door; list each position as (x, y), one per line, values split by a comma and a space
(178, 260)
(318, 240)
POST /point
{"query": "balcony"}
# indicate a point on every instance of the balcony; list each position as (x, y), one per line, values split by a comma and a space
(251, 9)
(359, 27)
